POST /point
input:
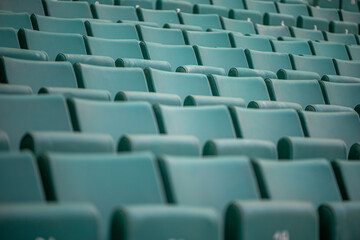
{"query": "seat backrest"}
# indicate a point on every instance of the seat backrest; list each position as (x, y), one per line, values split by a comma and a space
(24, 54)
(293, 47)
(160, 17)
(250, 42)
(205, 21)
(67, 9)
(31, 6)
(340, 38)
(296, 9)
(37, 74)
(52, 43)
(8, 38)
(247, 88)
(176, 55)
(121, 174)
(114, 13)
(306, 33)
(114, 48)
(273, 31)
(111, 30)
(268, 60)
(21, 114)
(240, 26)
(341, 125)
(320, 65)
(229, 4)
(221, 57)
(353, 51)
(343, 94)
(346, 173)
(261, 6)
(201, 122)
(330, 14)
(25, 189)
(160, 35)
(329, 49)
(349, 5)
(307, 180)
(207, 39)
(347, 68)
(114, 118)
(15, 20)
(58, 25)
(303, 92)
(112, 79)
(180, 84)
(228, 178)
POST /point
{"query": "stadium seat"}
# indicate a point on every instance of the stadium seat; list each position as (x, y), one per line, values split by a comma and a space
(273, 31)
(320, 65)
(354, 52)
(114, 13)
(66, 9)
(347, 68)
(329, 49)
(293, 47)
(150, 97)
(350, 16)
(183, 6)
(343, 94)
(143, 63)
(28, 188)
(207, 39)
(206, 7)
(52, 43)
(160, 17)
(48, 113)
(160, 35)
(205, 21)
(86, 59)
(240, 26)
(8, 38)
(111, 30)
(15, 20)
(148, 4)
(327, 4)
(43, 221)
(58, 25)
(268, 60)
(340, 38)
(252, 42)
(15, 89)
(24, 54)
(306, 34)
(346, 173)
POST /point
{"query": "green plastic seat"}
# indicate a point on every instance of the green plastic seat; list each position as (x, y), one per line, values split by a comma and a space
(346, 173)
(184, 6)
(160, 35)
(206, 7)
(23, 54)
(201, 122)
(304, 92)
(207, 39)
(354, 52)
(143, 63)
(86, 59)
(15, 20)
(33, 6)
(15, 89)
(268, 60)
(254, 123)
(43, 220)
(349, 6)
(327, 4)
(347, 68)
(58, 25)
(340, 125)
(28, 188)
(177, 83)
(280, 181)
(247, 88)
(320, 65)
(240, 26)
(8, 38)
(306, 33)
(52, 43)
(37, 74)
(148, 4)
(251, 42)
(114, 13)
(119, 173)
(293, 47)
(343, 94)
(65, 9)
(329, 49)
(350, 16)
(42, 113)
(273, 31)
(111, 30)
(205, 21)
(340, 38)
(160, 17)
(228, 178)
(113, 48)
(115, 118)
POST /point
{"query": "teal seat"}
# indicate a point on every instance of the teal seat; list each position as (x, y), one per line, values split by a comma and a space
(293, 47)
(110, 79)
(24, 54)
(33, 6)
(15, 20)
(37, 74)
(306, 33)
(328, 49)
(114, 13)
(113, 48)
(251, 42)
(86, 59)
(48, 113)
(201, 122)
(111, 30)
(304, 92)
(115, 118)
(347, 68)
(161, 17)
(350, 16)
(119, 173)
(346, 173)
(177, 83)
(161, 35)
(148, 4)
(340, 38)
(4, 142)
(8, 38)
(240, 26)
(220, 174)
(324, 4)
(254, 123)
(184, 6)
(268, 60)
(65, 9)
(225, 58)
(207, 39)
(247, 88)
(43, 220)
(52, 43)
(58, 25)
(280, 181)
(273, 31)
(205, 21)
(206, 7)
(150, 97)
(320, 65)
(28, 188)
(353, 51)
(143, 63)
(15, 89)
(343, 94)
(349, 6)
